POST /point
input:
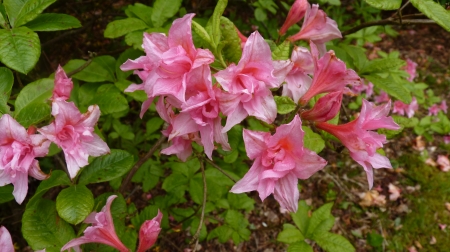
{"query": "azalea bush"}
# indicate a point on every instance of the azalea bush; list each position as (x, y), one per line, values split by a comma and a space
(193, 116)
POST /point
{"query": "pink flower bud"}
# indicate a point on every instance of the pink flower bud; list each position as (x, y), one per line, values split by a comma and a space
(296, 13)
(149, 232)
(325, 109)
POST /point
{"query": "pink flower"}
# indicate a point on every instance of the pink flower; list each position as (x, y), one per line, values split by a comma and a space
(326, 108)
(330, 75)
(402, 108)
(296, 13)
(248, 84)
(383, 97)
(411, 69)
(149, 233)
(241, 37)
(74, 133)
(101, 231)
(6, 243)
(279, 161)
(359, 88)
(168, 63)
(63, 85)
(447, 139)
(18, 150)
(297, 79)
(361, 142)
(443, 162)
(318, 28)
(443, 106)
(434, 110)
(394, 192)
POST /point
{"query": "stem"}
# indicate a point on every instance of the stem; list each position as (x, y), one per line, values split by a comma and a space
(388, 21)
(139, 163)
(18, 79)
(202, 216)
(81, 68)
(220, 169)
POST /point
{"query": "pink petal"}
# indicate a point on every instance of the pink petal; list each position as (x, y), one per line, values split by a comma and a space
(250, 180)
(286, 192)
(5, 240)
(148, 232)
(20, 183)
(63, 85)
(255, 142)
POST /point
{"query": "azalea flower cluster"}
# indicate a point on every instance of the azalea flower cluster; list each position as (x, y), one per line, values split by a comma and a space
(179, 76)
(71, 131)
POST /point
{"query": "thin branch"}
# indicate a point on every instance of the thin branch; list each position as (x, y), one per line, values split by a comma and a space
(140, 162)
(202, 216)
(171, 243)
(220, 169)
(81, 68)
(71, 32)
(19, 80)
(388, 21)
(406, 4)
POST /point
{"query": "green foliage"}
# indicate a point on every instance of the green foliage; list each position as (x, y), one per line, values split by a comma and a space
(315, 227)
(163, 10)
(6, 83)
(6, 193)
(434, 11)
(74, 203)
(312, 140)
(53, 22)
(385, 4)
(285, 105)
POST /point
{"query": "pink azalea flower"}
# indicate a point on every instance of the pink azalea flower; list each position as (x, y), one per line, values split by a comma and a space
(447, 139)
(383, 97)
(361, 142)
(63, 85)
(443, 162)
(330, 75)
(326, 108)
(149, 233)
(74, 133)
(18, 150)
(241, 37)
(297, 79)
(411, 69)
(443, 106)
(279, 161)
(6, 243)
(101, 231)
(248, 84)
(296, 13)
(434, 110)
(318, 28)
(167, 63)
(402, 108)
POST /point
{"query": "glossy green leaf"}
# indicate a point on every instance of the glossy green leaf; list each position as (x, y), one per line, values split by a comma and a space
(53, 22)
(312, 140)
(6, 83)
(320, 217)
(32, 104)
(110, 99)
(282, 52)
(300, 246)
(3, 16)
(232, 51)
(142, 12)
(42, 228)
(382, 66)
(215, 20)
(121, 27)
(163, 10)
(20, 49)
(390, 86)
(434, 11)
(285, 104)
(385, 4)
(203, 34)
(334, 243)
(6, 193)
(75, 203)
(107, 167)
(290, 234)
(24, 11)
(94, 72)
(240, 201)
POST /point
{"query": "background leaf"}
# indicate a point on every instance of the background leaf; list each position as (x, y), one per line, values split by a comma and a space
(285, 104)
(312, 140)
(334, 243)
(53, 22)
(163, 10)
(391, 87)
(75, 203)
(6, 83)
(385, 4)
(20, 48)
(434, 11)
(121, 27)
(30, 10)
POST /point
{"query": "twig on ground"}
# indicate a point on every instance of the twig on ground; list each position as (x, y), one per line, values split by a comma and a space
(220, 169)
(202, 216)
(340, 185)
(140, 162)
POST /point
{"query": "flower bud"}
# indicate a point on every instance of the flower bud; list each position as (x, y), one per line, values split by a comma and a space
(325, 109)
(296, 13)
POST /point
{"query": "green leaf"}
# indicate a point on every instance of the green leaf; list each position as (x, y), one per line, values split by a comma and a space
(28, 11)
(320, 221)
(163, 10)
(391, 87)
(2, 16)
(357, 53)
(382, 66)
(300, 246)
(215, 20)
(32, 102)
(141, 11)
(196, 189)
(121, 27)
(230, 40)
(290, 234)
(223, 233)
(20, 49)
(6, 193)
(42, 227)
(153, 125)
(301, 217)
(334, 243)
(108, 63)
(194, 226)
(241, 201)
(313, 141)
(374, 239)
(260, 14)
(203, 34)
(434, 11)
(6, 83)
(94, 72)
(53, 22)
(110, 99)
(106, 168)
(385, 4)
(282, 52)
(75, 203)
(285, 104)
